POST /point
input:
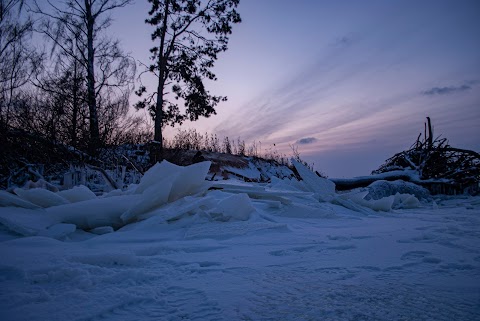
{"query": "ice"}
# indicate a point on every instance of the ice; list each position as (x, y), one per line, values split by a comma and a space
(163, 183)
(174, 212)
(406, 201)
(151, 198)
(285, 184)
(159, 171)
(190, 180)
(257, 192)
(27, 222)
(77, 194)
(167, 182)
(237, 207)
(41, 197)
(319, 185)
(93, 213)
(384, 204)
(8, 199)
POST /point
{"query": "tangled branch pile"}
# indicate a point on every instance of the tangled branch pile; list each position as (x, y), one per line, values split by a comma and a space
(436, 161)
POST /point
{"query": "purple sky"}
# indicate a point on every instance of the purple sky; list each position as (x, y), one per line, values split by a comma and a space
(349, 82)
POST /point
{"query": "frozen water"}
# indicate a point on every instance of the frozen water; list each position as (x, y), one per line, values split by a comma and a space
(41, 197)
(235, 207)
(406, 201)
(190, 180)
(77, 194)
(8, 199)
(93, 213)
(319, 185)
(154, 196)
(24, 221)
(157, 172)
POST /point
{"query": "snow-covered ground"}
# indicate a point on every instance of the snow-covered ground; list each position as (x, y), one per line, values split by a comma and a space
(237, 251)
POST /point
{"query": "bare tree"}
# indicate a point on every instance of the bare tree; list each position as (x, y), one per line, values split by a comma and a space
(18, 60)
(78, 29)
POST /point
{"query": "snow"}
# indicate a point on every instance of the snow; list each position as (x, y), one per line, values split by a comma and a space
(176, 247)
(384, 188)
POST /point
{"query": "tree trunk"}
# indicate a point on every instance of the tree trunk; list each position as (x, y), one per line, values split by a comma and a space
(92, 103)
(430, 133)
(158, 137)
(73, 134)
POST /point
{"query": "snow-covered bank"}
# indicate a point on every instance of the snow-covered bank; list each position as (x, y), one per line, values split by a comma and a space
(187, 249)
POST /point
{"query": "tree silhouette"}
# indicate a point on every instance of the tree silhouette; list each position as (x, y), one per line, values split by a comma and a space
(189, 34)
(76, 27)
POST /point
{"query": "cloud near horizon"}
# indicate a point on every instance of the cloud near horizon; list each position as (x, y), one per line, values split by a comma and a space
(446, 90)
(306, 140)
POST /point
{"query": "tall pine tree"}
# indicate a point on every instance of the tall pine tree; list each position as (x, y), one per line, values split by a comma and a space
(189, 34)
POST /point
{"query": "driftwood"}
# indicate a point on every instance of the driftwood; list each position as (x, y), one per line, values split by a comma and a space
(438, 165)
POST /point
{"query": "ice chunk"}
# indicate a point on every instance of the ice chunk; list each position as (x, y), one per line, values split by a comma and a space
(285, 184)
(406, 201)
(41, 197)
(384, 204)
(190, 180)
(166, 182)
(93, 213)
(8, 199)
(175, 211)
(322, 186)
(153, 197)
(23, 221)
(157, 172)
(234, 208)
(77, 194)
(358, 197)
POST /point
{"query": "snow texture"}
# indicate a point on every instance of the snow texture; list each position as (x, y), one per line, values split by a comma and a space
(383, 188)
(176, 247)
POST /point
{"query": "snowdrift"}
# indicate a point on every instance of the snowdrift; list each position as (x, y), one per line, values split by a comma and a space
(168, 193)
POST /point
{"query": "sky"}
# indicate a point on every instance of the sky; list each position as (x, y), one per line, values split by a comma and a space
(349, 83)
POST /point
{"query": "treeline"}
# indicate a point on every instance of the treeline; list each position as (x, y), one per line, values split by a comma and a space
(74, 89)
